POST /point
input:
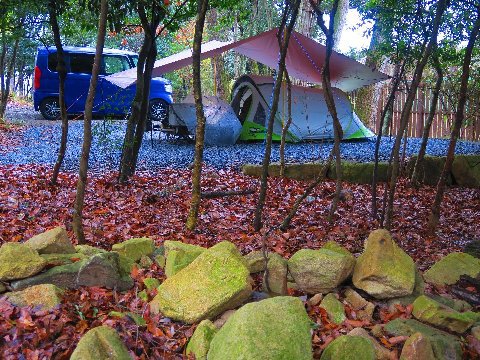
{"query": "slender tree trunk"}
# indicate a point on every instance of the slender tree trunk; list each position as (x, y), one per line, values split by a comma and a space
(87, 127)
(62, 75)
(216, 61)
(327, 88)
(399, 70)
(291, 9)
(428, 123)
(459, 117)
(340, 22)
(417, 76)
(286, 126)
(6, 83)
(200, 131)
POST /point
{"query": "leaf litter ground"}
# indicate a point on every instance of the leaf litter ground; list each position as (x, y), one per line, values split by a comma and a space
(156, 204)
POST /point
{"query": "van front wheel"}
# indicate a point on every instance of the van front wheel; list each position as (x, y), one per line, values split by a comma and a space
(50, 109)
(157, 112)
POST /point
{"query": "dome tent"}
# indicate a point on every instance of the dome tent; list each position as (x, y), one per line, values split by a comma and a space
(311, 119)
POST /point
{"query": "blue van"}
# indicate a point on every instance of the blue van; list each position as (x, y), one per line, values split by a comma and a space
(110, 100)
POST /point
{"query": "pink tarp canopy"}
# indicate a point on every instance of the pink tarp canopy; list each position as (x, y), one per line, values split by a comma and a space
(304, 61)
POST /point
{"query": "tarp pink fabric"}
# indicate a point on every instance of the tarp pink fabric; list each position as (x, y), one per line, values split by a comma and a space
(304, 61)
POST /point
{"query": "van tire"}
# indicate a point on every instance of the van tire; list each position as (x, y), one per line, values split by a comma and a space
(157, 112)
(50, 108)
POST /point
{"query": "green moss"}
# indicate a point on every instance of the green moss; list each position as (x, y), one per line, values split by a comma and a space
(432, 312)
(217, 280)
(18, 261)
(199, 343)
(151, 283)
(276, 328)
(179, 255)
(135, 248)
(62, 259)
(45, 296)
(349, 348)
(101, 343)
(88, 250)
(448, 270)
(334, 309)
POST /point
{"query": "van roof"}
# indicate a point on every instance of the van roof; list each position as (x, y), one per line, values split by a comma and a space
(86, 50)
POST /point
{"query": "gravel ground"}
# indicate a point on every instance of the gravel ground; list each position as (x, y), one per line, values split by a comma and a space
(38, 144)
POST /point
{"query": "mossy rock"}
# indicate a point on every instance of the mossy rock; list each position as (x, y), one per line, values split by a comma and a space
(135, 248)
(101, 343)
(349, 348)
(444, 345)
(334, 308)
(54, 241)
(447, 271)
(255, 261)
(417, 347)
(430, 171)
(62, 259)
(432, 312)
(275, 328)
(44, 296)
(18, 261)
(380, 352)
(384, 270)
(179, 255)
(199, 343)
(217, 280)
(359, 173)
(466, 170)
(64, 276)
(88, 250)
(277, 275)
(151, 283)
(320, 271)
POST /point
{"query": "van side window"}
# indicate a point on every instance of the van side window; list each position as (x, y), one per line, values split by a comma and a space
(81, 63)
(52, 62)
(114, 64)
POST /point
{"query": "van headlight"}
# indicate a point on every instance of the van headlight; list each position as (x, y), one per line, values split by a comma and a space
(168, 88)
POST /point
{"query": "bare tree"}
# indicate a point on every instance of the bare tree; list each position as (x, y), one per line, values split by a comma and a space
(286, 126)
(459, 117)
(289, 15)
(87, 127)
(417, 76)
(200, 130)
(62, 75)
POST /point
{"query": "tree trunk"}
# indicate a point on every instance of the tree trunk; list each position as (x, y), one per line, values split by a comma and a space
(340, 22)
(459, 117)
(139, 110)
(87, 127)
(286, 126)
(428, 124)
(327, 87)
(417, 76)
(283, 35)
(62, 75)
(216, 61)
(200, 130)
(5, 87)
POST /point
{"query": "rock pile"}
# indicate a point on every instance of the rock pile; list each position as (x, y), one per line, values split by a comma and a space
(214, 287)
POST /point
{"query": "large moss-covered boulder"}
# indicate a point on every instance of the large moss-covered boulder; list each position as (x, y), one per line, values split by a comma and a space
(417, 347)
(359, 173)
(104, 270)
(199, 343)
(349, 348)
(334, 308)
(432, 312)
(179, 255)
(101, 343)
(215, 281)
(320, 271)
(276, 275)
(64, 276)
(45, 296)
(18, 261)
(466, 170)
(448, 270)
(135, 248)
(444, 345)
(275, 328)
(384, 270)
(54, 241)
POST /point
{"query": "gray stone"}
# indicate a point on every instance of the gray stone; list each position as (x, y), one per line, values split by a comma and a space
(417, 347)
(277, 275)
(54, 241)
